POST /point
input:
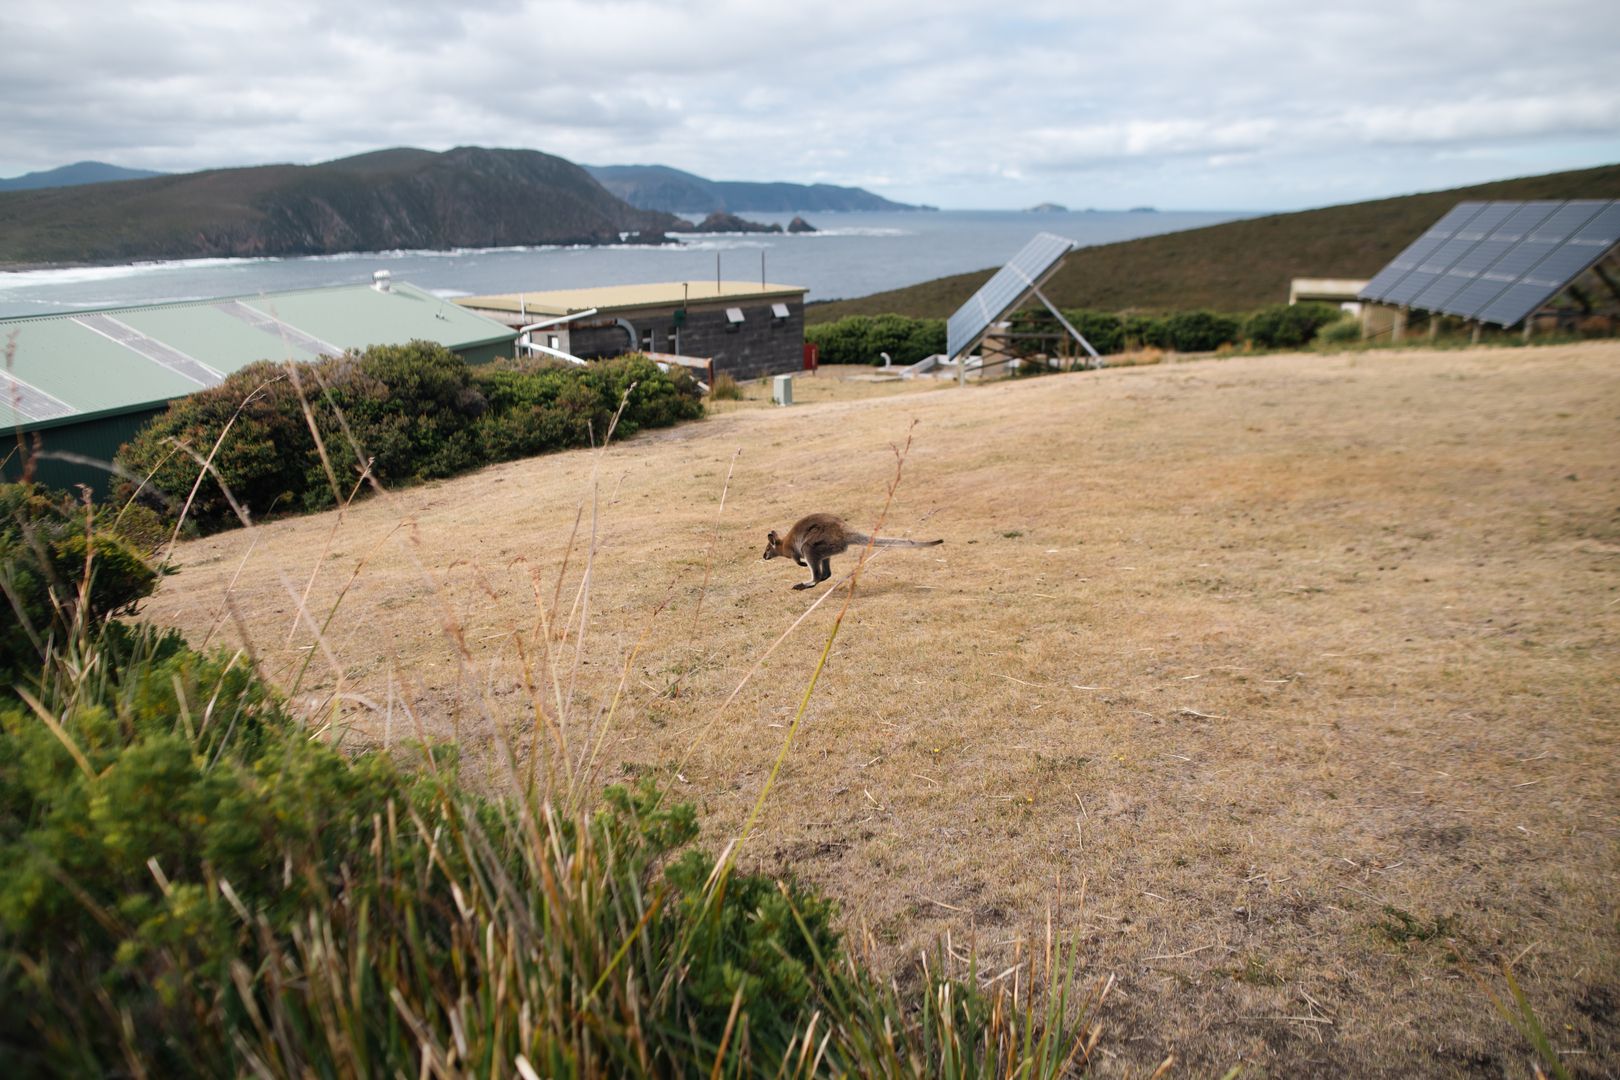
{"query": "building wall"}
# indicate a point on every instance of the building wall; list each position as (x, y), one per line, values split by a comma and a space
(97, 439)
(484, 354)
(762, 345)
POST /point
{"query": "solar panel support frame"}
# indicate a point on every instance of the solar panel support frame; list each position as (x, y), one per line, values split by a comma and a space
(1031, 287)
(1096, 358)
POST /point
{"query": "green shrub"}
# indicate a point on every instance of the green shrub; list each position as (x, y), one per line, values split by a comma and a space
(1146, 332)
(1346, 331)
(1105, 331)
(1199, 331)
(1288, 326)
(861, 339)
(63, 566)
(416, 412)
(178, 833)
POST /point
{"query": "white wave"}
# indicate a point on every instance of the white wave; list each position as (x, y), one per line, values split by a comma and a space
(721, 242)
(75, 275)
(427, 253)
(872, 231)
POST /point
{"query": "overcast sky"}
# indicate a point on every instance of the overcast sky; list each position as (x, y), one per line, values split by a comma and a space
(1265, 104)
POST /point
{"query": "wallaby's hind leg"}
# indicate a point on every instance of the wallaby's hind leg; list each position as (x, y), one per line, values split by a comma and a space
(808, 558)
(823, 570)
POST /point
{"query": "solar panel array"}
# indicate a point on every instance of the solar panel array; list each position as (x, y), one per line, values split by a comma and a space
(1498, 261)
(1011, 284)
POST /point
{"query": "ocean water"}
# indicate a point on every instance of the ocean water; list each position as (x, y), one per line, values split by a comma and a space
(851, 254)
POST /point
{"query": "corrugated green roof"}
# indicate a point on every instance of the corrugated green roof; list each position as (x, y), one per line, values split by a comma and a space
(134, 357)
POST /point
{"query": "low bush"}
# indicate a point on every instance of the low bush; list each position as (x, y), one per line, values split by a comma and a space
(862, 339)
(1346, 331)
(415, 412)
(1146, 332)
(1200, 331)
(64, 564)
(1104, 330)
(1288, 326)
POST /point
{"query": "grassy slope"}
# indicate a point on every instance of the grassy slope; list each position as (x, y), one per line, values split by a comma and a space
(1240, 265)
(1255, 648)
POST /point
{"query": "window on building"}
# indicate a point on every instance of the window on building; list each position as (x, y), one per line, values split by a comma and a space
(734, 318)
(647, 344)
(779, 312)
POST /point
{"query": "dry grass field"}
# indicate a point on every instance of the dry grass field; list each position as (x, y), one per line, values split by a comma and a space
(1302, 669)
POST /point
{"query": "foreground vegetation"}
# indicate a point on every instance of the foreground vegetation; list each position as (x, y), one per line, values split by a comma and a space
(1236, 266)
(198, 884)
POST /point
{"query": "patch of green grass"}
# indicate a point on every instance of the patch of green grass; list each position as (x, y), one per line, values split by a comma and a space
(1401, 927)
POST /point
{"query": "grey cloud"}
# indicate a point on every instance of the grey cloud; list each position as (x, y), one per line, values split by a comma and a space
(952, 101)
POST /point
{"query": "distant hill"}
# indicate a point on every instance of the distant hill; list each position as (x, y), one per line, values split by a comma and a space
(402, 198)
(659, 187)
(80, 172)
(1239, 265)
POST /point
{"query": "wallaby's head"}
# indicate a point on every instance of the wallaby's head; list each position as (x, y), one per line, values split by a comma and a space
(773, 545)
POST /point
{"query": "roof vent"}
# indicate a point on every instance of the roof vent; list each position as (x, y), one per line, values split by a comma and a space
(382, 281)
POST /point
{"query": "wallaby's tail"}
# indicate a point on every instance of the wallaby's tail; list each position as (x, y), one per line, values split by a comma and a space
(857, 540)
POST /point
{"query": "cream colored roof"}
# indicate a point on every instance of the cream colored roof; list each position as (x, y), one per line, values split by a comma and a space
(624, 297)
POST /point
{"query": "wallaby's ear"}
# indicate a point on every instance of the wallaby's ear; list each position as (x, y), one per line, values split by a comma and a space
(772, 536)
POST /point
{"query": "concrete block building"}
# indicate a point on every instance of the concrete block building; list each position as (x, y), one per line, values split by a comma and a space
(746, 329)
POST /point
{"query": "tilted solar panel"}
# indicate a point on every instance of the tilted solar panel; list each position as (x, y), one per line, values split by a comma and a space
(1603, 230)
(1512, 259)
(1562, 260)
(1419, 250)
(1428, 271)
(1499, 261)
(1485, 222)
(1002, 292)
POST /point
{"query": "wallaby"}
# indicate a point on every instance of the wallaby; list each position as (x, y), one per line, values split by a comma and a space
(818, 537)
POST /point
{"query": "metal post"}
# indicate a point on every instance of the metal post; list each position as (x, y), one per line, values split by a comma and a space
(1397, 331)
(1474, 337)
